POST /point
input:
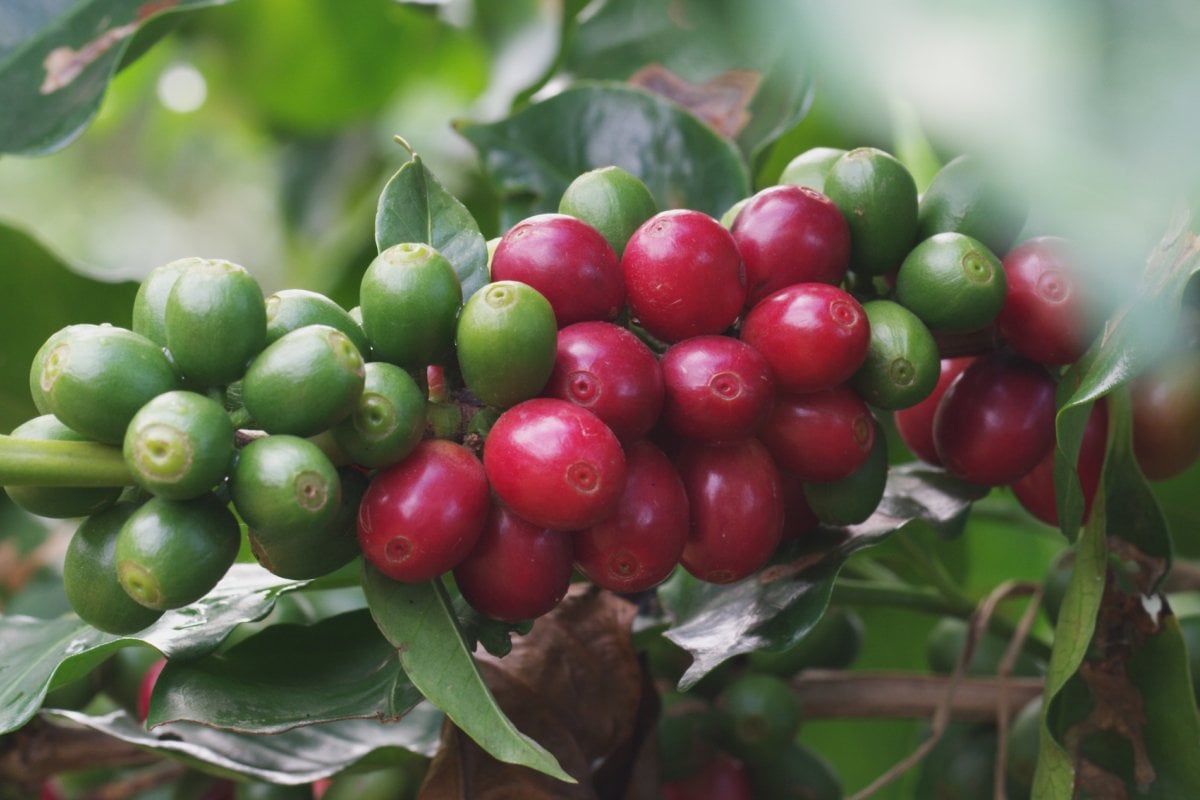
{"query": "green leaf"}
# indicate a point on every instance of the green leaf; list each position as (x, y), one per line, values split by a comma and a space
(41, 295)
(534, 154)
(419, 621)
(295, 757)
(350, 672)
(777, 607)
(56, 60)
(42, 654)
(414, 207)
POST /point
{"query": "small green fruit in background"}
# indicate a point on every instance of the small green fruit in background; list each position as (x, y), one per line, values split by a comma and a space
(215, 321)
(283, 483)
(878, 197)
(760, 715)
(291, 309)
(687, 733)
(60, 502)
(387, 420)
(611, 200)
(410, 297)
(179, 445)
(507, 338)
(90, 575)
(795, 773)
(811, 167)
(305, 382)
(952, 282)
(150, 303)
(832, 643)
(903, 362)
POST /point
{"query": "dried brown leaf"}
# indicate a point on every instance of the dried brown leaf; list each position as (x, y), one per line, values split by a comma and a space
(722, 102)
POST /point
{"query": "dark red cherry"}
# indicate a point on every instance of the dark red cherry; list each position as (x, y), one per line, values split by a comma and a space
(717, 388)
(1035, 490)
(821, 436)
(1166, 416)
(723, 778)
(915, 423)
(799, 520)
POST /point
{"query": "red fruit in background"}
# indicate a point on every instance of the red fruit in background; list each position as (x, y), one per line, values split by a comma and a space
(822, 436)
(915, 423)
(717, 388)
(1166, 416)
(612, 373)
(421, 516)
(683, 275)
(638, 546)
(790, 234)
(1049, 314)
(517, 570)
(996, 420)
(146, 688)
(723, 778)
(736, 508)
(814, 336)
(798, 518)
(555, 464)
(1035, 490)
(568, 261)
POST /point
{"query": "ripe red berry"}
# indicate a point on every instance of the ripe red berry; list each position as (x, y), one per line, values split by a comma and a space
(790, 234)
(723, 778)
(1048, 315)
(821, 436)
(798, 517)
(683, 275)
(610, 372)
(517, 570)
(146, 688)
(420, 517)
(813, 335)
(638, 546)
(1035, 490)
(996, 420)
(717, 388)
(554, 464)
(568, 261)
(915, 423)
(1166, 416)
(736, 504)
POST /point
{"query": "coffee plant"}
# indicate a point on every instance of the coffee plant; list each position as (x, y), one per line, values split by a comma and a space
(699, 442)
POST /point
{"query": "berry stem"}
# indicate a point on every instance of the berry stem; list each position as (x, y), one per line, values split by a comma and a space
(40, 462)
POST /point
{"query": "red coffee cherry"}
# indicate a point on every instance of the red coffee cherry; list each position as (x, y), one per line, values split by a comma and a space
(813, 335)
(610, 372)
(1048, 315)
(790, 234)
(821, 436)
(638, 546)
(915, 423)
(996, 420)
(683, 275)
(568, 261)
(717, 388)
(722, 778)
(420, 517)
(555, 464)
(1035, 490)
(736, 504)
(798, 517)
(1166, 416)
(517, 570)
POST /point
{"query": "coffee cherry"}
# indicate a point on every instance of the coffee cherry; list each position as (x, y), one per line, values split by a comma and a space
(292, 309)
(555, 464)
(284, 482)
(736, 509)
(422, 516)
(760, 715)
(788, 234)
(303, 553)
(813, 335)
(612, 373)
(795, 773)
(878, 198)
(410, 297)
(387, 421)
(834, 642)
(150, 303)
(38, 395)
(915, 423)
(683, 275)
(996, 420)
(57, 501)
(811, 167)
(305, 382)
(1166, 416)
(686, 734)
(722, 778)
(90, 575)
(170, 553)
(952, 282)
(568, 262)
(854, 498)
(215, 321)
(516, 570)
(612, 201)
(179, 445)
(717, 388)
(821, 436)
(962, 198)
(798, 518)
(1035, 490)
(506, 340)
(1048, 314)
(639, 545)
(902, 363)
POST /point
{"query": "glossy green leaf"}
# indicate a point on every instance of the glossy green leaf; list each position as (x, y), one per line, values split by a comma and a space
(418, 619)
(56, 60)
(414, 207)
(534, 154)
(350, 672)
(41, 295)
(42, 654)
(778, 606)
(294, 757)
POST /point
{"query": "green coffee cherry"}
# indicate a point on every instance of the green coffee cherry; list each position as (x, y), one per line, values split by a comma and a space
(150, 304)
(215, 321)
(903, 363)
(285, 483)
(760, 716)
(507, 339)
(300, 554)
(686, 732)
(611, 200)
(173, 552)
(292, 309)
(855, 497)
(307, 381)
(795, 773)
(962, 199)
(386, 422)
(946, 641)
(952, 282)
(410, 296)
(58, 502)
(834, 642)
(90, 575)
(811, 167)
(40, 401)
(878, 197)
(179, 445)
(95, 380)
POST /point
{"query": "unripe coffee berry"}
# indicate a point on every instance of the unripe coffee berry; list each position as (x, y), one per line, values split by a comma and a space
(410, 297)
(506, 339)
(215, 321)
(179, 445)
(284, 482)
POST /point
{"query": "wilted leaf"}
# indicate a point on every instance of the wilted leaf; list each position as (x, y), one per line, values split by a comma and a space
(721, 101)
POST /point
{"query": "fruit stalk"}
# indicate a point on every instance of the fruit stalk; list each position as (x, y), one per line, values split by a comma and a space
(35, 462)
